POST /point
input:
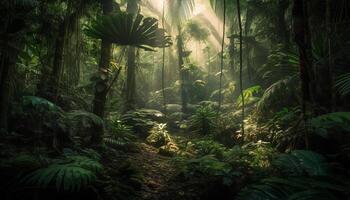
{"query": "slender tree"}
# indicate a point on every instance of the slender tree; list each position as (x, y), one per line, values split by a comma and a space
(163, 61)
(178, 12)
(241, 60)
(222, 55)
(303, 40)
(101, 87)
(132, 7)
(13, 19)
(282, 29)
(73, 14)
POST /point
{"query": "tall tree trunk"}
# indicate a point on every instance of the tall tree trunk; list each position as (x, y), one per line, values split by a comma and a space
(101, 87)
(324, 97)
(331, 97)
(182, 72)
(302, 38)
(247, 25)
(163, 61)
(282, 30)
(130, 104)
(222, 55)
(57, 67)
(241, 61)
(12, 33)
(5, 89)
(231, 51)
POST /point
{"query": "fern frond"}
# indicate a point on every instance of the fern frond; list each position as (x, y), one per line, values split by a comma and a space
(299, 162)
(70, 174)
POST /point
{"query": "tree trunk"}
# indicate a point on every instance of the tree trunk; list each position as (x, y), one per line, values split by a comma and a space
(222, 56)
(241, 61)
(282, 30)
(11, 29)
(302, 38)
(130, 104)
(182, 72)
(57, 63)
(247, 25)
(5, 89)
(101, 87)
(231, 52)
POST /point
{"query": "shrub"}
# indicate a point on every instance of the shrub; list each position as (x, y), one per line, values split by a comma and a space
(203, 121)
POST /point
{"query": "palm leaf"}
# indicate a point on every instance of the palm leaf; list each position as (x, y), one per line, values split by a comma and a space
(343, 84)
(129, 29)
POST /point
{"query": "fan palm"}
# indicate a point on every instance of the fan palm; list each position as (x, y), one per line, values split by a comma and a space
(129, 29)
(125, 29)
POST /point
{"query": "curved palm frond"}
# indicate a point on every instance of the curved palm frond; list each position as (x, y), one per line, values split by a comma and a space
(129, 29)
(343, 84)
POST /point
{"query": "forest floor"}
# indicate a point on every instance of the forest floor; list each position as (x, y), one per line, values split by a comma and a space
(160, 176)
(157, 171)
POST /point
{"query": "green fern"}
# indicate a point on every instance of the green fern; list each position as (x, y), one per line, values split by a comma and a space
(294, 188)
(70, 174)
(203, 121)
(338, 121)
(299, 162)
(304, 177)
(39, 104)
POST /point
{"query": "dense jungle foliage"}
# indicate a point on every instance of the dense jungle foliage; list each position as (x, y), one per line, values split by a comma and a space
(175, 99)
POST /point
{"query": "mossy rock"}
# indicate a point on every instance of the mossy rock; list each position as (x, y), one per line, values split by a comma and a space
(211, 104)
(173, 108)
(143, 120)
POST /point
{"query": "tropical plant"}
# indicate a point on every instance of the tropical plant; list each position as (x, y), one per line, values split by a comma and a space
(159, 136)
(129, 29)
(39, 104)
(203, 121)
(249, 95)
(343, 84)
(119, 134)
(324, 124)
(304, 175)
(209, 147)
(71, 173)
(208, 166)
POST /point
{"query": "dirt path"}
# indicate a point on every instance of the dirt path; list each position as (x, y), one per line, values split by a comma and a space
(157, 171)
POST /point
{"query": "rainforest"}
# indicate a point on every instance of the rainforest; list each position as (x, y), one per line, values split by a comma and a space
(175, 99)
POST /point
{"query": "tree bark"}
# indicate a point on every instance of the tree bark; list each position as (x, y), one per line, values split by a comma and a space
(130, 103)
(302, 38)
(282, 30)
(182, 72)
(222, 56)
(101, 87)
(241, 62)
(12, 30)
(247, 25)
(5, 89)
(57, 63)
